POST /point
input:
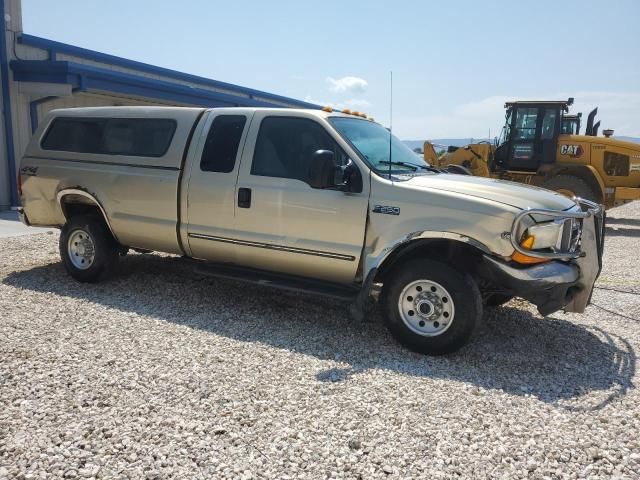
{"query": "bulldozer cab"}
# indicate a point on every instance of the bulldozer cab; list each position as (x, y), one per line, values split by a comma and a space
(571, 124)
(530, 135)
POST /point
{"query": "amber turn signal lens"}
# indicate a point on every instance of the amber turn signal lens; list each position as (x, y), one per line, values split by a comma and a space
(527, 243)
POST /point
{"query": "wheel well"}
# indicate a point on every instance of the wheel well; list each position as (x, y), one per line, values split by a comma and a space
(462, 256)
(583, 173)
(72, 209)
(73, 204)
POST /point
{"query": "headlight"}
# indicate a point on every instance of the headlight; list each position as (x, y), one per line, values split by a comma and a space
(559, 235)
(546, 235)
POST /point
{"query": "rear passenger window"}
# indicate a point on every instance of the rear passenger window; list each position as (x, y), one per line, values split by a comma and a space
(221, 147)
(74, 135)
(143, 137)
(285, 146)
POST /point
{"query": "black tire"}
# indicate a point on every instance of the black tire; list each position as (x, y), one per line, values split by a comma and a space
(497, 299)
(578, 186)
(457, 169)
(105, 249)
(465, 299)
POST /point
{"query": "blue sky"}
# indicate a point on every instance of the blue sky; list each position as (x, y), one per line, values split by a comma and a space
(454, 63)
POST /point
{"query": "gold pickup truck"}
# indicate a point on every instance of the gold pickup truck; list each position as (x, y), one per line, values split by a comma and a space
(310, 200)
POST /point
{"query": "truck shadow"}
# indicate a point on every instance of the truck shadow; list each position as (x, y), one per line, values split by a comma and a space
(559, 362)
(621, 231)
(622, 227)
(623, 221)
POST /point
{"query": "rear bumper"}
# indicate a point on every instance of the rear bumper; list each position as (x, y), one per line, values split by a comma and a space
(23, 217)
(549, 286)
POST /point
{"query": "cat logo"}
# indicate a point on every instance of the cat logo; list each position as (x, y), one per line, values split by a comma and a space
(571, 150)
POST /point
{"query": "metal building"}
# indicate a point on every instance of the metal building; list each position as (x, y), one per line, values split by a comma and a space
(37, 75)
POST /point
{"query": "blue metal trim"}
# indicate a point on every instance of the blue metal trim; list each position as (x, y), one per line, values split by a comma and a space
(6, 110)
(88, 77)
(33, 115)
(58, 47)
(33, 111)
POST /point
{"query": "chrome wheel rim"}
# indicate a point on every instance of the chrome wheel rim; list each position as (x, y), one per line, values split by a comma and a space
(426, 308)
(81, 249)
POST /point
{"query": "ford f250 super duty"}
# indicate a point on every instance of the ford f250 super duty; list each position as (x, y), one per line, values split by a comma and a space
(311, 200)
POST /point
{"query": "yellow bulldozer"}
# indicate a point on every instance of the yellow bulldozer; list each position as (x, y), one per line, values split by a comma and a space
(541, 145)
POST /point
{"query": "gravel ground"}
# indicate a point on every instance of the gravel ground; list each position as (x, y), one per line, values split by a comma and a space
(163, 373)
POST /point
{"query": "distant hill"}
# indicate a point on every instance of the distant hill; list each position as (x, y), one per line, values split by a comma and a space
(458, 142)
(628, 139)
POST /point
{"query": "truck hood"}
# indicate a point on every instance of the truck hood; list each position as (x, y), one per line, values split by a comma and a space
(509, 193)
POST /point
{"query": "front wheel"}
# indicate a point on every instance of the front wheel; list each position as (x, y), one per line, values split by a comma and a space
(87, 248)
(571, 186)
(431, 307)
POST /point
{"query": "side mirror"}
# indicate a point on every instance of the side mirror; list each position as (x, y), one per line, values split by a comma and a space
(325, 172)
(322, 170)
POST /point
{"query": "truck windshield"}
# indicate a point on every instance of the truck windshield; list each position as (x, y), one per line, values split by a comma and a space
(371, 140)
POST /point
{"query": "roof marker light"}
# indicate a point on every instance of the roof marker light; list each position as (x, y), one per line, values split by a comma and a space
(328, 108)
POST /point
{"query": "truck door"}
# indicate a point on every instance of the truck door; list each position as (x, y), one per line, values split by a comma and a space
(210, 188)
(284, 225)
(523, 144)
(534, 135)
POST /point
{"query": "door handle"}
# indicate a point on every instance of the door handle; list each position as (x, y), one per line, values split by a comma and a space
(244, 197)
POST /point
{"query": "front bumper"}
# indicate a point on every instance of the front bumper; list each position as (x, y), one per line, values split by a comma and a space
(549, 286)
(558, 284)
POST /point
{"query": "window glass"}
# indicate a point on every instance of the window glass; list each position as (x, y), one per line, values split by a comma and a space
(548, 124)
(285, 146)
(375, 143)
(526, 119)
(221, 148)
(505, 134)
(146, 137)
(570, 126)
(74, 135)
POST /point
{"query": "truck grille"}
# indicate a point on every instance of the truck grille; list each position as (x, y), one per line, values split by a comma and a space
(571, 235)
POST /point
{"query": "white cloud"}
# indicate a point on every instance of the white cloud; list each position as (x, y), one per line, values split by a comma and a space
(347, 84)
(618, 111)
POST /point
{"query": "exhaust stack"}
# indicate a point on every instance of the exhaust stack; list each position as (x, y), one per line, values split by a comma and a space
(589, 129)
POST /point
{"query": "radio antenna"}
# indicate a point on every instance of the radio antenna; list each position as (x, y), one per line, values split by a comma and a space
(390, 117)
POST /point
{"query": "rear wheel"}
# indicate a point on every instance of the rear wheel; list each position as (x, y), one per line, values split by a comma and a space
(571, 186)
(430, 307)
(87, 249)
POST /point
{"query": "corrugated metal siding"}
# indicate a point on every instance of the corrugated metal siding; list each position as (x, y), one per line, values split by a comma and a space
(117, 68)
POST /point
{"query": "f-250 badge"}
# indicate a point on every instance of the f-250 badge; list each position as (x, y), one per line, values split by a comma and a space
(387, 210)
(571, 150)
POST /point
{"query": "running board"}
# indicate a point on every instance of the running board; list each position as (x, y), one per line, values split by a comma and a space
(275, 280)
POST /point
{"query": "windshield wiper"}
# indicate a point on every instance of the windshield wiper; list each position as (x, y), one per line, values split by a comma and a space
(413, 166)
